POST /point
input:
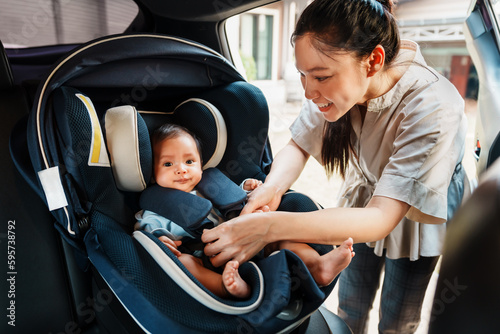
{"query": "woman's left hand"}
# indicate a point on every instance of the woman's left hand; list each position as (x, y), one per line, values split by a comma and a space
(238, 239)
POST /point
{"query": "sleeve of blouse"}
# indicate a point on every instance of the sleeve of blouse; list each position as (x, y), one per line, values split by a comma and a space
(428, 145)
(307, 130)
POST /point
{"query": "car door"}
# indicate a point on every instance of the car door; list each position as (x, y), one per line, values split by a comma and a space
(483, 42)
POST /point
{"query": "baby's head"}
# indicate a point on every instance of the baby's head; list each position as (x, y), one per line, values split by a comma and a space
(176, 157)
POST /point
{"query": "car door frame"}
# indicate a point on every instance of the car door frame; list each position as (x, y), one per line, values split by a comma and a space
(482, 35)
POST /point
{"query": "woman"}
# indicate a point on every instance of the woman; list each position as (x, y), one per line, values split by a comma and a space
(395, 130)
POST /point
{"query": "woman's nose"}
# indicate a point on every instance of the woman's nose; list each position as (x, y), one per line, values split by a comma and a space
(310, 92)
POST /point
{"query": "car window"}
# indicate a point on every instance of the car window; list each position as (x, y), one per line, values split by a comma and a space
(254, 42)
(495, 19)
(28, 23)
(496, 9)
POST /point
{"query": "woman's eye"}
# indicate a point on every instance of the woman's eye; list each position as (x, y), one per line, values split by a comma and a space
(321, 78)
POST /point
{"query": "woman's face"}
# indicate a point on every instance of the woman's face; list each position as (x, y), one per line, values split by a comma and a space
(334, 83)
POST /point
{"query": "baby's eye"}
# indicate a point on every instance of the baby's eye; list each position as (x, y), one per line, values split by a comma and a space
(190, 162)
(167, 164)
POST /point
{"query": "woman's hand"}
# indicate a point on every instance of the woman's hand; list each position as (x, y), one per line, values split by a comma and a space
(263, 199)
(285, 170)
(238, 239)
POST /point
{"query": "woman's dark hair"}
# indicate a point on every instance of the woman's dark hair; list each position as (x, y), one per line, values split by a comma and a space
(356, 26)
(169, 131)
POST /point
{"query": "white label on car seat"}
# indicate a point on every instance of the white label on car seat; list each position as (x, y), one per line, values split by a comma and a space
(52, 187)
(98, 156)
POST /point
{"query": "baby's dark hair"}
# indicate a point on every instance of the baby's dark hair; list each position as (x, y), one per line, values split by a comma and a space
(356, 26)
(169, 131)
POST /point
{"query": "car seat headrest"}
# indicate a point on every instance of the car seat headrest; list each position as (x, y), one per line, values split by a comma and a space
(6, 78)
(129, 145)
(129, 148)
(205, 120)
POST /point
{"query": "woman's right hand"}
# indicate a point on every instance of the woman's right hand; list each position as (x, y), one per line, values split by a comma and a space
(238, 239)
(285, 170)
(262, 199)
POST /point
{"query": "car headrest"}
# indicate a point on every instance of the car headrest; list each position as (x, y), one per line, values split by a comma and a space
(6, 78)
(205, 121)
(129, 148)
(129, 145)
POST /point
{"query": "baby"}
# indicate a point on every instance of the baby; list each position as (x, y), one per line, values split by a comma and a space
(177, 164)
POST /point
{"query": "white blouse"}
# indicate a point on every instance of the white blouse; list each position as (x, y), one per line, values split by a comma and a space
(408, 146)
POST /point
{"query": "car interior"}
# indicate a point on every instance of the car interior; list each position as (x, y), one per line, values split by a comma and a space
(105, 282)
(58, 283)
(467, 293)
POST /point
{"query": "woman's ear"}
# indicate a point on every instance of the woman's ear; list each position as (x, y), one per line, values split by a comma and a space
(376, 60)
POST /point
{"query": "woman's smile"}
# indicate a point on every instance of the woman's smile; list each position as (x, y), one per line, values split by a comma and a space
(324, 107)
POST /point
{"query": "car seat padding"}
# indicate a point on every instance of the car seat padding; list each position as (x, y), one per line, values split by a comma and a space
(202, 295)
(131, 158)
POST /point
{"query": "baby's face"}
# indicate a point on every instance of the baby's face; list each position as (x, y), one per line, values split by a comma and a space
(177, 163)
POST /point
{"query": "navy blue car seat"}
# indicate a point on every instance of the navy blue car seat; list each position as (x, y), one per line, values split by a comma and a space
(93, 202)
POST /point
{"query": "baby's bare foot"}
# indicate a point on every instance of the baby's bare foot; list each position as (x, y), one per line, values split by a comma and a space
(233, 282)
(332, 263)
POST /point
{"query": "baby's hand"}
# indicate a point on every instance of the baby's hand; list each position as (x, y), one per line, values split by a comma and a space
(251, 184)
(171, 244)
(265, 208)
